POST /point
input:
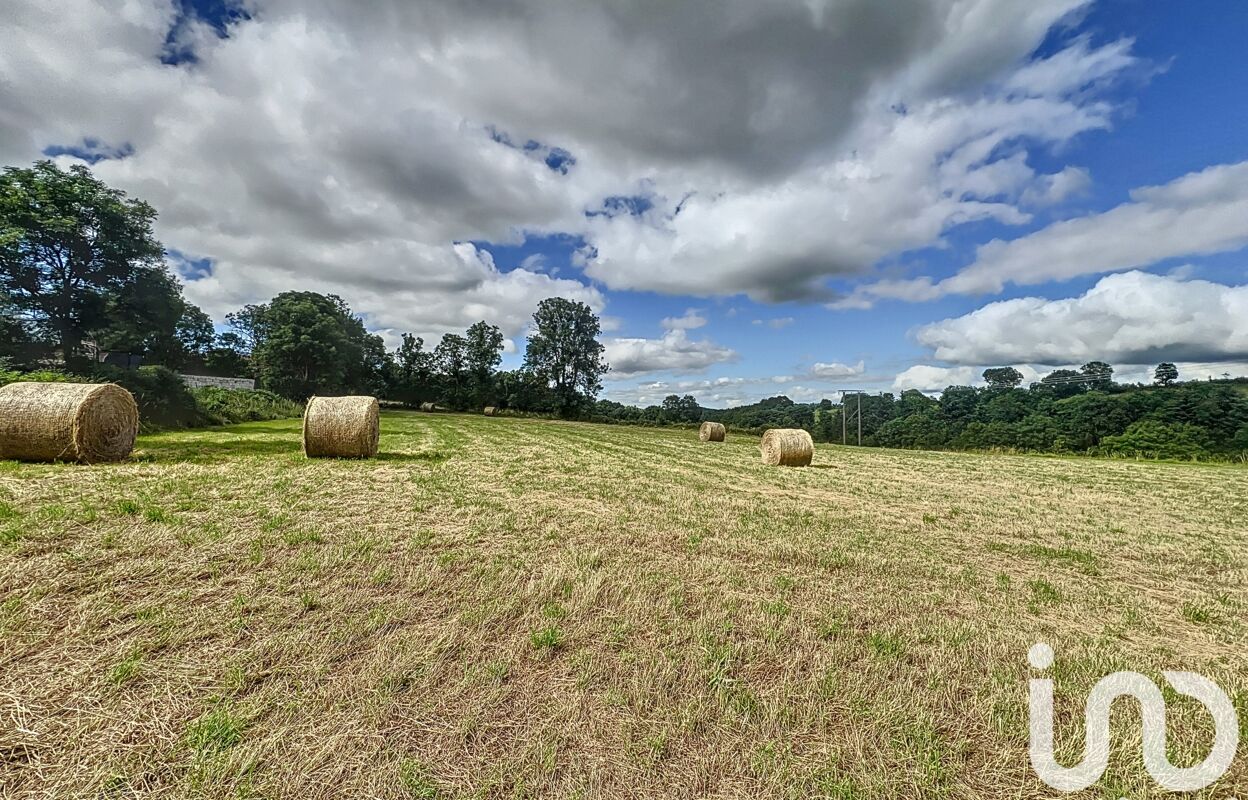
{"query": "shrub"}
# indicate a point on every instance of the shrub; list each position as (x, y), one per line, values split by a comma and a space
(224, 406)
(43, 376)
(165, 401)
(1152, 439)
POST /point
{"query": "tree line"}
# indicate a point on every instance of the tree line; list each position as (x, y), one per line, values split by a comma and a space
(1068, 411)
(82, 274)
(302, 343)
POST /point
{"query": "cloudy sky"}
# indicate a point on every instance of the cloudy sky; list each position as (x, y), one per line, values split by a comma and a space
(758, 198)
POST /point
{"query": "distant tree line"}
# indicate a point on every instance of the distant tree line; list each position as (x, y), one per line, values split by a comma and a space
(1068, 411)
(82, 274)
(302, 343)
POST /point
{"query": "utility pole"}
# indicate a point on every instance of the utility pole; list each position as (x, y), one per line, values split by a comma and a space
(860, 419)
(845, 395)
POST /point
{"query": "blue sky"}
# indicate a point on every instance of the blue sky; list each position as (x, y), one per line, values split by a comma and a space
(791, 198)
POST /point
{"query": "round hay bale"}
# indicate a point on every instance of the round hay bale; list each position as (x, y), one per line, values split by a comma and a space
(427, 407)
(787, 447)
(711, 432)
(490, 411)
(84, 422)
(341, 427)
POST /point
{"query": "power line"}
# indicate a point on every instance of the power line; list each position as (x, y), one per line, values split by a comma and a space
(1091, 377)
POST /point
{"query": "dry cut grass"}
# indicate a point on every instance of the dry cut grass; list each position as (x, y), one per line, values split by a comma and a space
(518, 608)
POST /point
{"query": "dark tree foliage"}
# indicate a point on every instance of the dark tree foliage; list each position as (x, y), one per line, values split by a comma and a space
(1188, 420)
(1099, 374)
(306, 343)
(79, 260)
(413, 372)
(1003, 377)
(18, 346)
(228, 357)
(1063, 383)
(246, 325)
(483, 353)
(1165, 374)
(450, 358)
(565, 354)
(681, 409)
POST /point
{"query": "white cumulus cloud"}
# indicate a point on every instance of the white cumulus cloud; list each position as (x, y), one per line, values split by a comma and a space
(674, 352)
(928, 378)
(1127, 318)
(836, 370)
(690, 320)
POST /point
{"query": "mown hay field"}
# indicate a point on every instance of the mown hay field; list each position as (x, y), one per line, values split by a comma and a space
(501, 607)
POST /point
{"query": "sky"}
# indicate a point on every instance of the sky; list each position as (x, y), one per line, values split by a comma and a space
(792, 198)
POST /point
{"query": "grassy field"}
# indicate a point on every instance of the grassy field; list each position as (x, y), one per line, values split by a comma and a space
(520, 608)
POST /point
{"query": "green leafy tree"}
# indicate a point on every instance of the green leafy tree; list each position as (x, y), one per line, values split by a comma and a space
(74, 252)
(227, 358)
(1153, 439)
(1063, 383)
(912, 401)
(521, 389)
(926, 429)
(450, 359)
(483, 353)
(690, 411)
(247, 327)
(184, 337)
(17, 346)
(1004, 405)
(1099, 374)
(827, 425)
(1003, 377)
(958, 405)
(413, 371)
(671, 407)
(307, 343)
(373, 374)
(564, 352)
(195, 332)
(1239, 444)
(1165, 374)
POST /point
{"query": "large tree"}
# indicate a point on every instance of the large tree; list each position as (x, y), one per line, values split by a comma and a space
(246, 327)
(564, 352)
(227, 358)
(1002, 377)
(450, 359)
(74, 253)
(16, 344)
(1099, 375)
(307, 343)
(1063, 383)
(483, 353)
(413, 371)
(1165, 374)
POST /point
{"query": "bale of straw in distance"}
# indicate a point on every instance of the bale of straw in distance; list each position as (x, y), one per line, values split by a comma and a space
(341, 427)
(426, 406)
(85, 422)
(490, 411)
(711, 432)
(787, 447)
